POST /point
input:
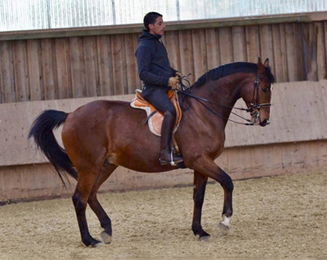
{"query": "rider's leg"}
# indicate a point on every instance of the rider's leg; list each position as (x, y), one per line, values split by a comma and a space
(159, 99)
(166, 140)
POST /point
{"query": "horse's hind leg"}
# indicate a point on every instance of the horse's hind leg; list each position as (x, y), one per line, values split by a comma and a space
(200, 182)
(105, 221)
(86, 189)
(80, 198)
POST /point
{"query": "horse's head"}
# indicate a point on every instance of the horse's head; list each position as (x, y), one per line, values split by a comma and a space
(258, 95)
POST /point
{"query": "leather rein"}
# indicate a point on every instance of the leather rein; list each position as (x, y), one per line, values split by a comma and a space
(253, 109)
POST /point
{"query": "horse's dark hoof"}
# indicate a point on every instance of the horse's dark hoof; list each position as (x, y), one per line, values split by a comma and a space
(106, 238)
(203, 236)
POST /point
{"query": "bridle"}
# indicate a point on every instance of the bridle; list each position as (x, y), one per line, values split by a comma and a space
(253, 109)
(255, 105)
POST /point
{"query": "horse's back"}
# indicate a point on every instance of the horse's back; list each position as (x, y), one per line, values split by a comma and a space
(100, 105)
(96, 116)
(98, 110)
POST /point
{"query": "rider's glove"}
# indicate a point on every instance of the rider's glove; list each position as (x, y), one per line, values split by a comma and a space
(173, 81)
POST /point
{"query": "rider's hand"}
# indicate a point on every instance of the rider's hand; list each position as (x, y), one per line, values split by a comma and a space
(173, 81)
(179, 74)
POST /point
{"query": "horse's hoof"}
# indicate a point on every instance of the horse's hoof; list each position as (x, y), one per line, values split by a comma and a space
(224, 228)
(105, 238)
(204, 238)
(225, 225)
(94, 243)
(97, 244)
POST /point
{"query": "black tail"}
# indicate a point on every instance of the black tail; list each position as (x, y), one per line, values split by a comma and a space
(42, 132)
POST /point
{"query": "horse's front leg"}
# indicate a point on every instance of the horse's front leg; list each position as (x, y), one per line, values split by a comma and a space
(208, 168)
(228, 186)
(200, 183)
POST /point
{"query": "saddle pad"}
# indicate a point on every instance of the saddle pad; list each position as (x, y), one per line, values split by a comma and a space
(155, 120)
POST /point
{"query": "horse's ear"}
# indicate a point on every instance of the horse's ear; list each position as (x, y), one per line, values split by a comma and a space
(261, 67)
(266, 64)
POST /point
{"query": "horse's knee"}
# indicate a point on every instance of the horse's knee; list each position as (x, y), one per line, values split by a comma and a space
(227, 183)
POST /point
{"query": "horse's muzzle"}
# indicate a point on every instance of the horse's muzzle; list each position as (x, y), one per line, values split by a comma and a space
(264, 122)
(256, 119)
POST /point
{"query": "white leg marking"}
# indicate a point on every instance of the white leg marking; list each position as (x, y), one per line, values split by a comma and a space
(224, 225)
(225, 221)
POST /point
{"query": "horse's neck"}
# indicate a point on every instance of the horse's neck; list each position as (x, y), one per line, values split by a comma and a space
(222, 94)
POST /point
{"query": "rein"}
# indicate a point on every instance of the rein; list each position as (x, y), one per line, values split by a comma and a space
(253, 106)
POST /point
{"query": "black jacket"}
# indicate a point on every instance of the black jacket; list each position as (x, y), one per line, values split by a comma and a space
(152, 61)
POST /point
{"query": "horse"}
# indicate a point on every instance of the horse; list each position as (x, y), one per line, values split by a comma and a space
(102, 135)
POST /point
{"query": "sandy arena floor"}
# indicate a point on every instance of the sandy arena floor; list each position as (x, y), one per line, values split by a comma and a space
(278, 217)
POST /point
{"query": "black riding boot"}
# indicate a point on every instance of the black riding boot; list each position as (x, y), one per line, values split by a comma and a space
(166, 141)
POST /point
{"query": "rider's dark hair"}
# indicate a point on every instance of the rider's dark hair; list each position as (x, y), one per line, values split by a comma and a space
(150, 18)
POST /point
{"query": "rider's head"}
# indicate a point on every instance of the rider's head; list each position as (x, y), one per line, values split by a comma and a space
(150, 18)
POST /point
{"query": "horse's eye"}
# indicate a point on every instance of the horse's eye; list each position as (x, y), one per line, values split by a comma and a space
(264, 90)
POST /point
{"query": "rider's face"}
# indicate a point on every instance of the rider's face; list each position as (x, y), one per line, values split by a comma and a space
(158, 28)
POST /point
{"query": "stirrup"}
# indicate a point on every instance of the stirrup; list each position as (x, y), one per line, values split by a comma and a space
(175, 162)
(172, 162)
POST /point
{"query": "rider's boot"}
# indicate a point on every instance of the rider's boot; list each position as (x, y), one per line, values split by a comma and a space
(166, 156)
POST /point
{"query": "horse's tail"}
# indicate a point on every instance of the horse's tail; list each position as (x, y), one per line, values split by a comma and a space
(42, 132)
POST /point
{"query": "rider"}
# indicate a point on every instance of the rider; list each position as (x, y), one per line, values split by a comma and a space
(158, 77)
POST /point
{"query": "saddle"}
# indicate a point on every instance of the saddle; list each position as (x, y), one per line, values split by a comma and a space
(154, 117)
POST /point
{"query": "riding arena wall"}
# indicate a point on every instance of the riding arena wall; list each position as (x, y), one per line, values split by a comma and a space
(64, 69)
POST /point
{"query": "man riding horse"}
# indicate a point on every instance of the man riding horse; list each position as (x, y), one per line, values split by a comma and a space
(158, 77)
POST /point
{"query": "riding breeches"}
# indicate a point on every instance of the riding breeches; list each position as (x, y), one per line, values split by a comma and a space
(159, 99)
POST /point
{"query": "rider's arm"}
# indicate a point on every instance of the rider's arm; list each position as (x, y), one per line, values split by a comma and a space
(143, 58)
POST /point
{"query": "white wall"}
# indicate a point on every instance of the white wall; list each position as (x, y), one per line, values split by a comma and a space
(294, 142)
(299, 112)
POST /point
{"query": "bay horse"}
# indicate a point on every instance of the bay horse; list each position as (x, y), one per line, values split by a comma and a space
(102, 135)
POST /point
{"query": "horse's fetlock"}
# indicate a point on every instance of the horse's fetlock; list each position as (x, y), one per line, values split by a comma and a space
(196, 229)
(228, 213)
(106, 225)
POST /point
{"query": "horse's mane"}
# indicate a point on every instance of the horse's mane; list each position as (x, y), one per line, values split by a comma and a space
(229, 69)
